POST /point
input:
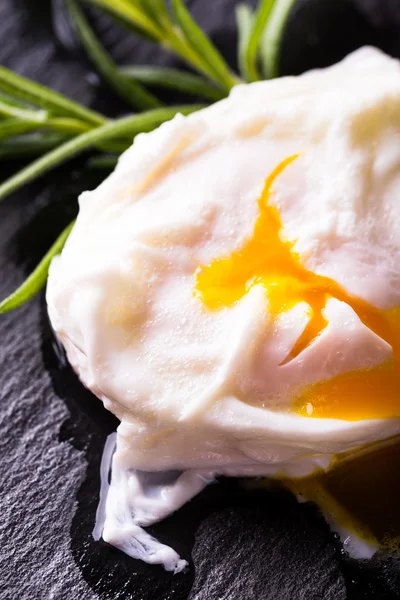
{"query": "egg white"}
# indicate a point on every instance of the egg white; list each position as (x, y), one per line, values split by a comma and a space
(201, 391)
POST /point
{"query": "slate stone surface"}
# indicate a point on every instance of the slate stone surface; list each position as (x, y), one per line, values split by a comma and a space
(243, 545)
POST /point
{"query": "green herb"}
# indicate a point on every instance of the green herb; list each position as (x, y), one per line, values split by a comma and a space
(128, 13)
(131, 91)
(244, 22)
(13, 109)
(36, 280)
(273, 35)
(175, 31)
(202, 45)
(12, 127)
(34, 93)
(259, 23)
(27, 146)
(157, 10)
(102, 162)
(173, 79)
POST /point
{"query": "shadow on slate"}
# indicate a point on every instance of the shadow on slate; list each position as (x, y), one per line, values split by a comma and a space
(242, 544)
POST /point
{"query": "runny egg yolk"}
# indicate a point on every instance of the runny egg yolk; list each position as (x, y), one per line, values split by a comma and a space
(360, 494)
(266, 259)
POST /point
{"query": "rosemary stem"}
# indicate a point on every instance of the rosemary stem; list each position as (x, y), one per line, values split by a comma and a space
(32, 92)
(37, 279)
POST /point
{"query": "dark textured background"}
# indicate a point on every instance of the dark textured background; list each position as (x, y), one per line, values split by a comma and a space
(247, 545)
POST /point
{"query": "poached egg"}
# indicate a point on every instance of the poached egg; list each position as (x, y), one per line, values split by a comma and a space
(231, 291)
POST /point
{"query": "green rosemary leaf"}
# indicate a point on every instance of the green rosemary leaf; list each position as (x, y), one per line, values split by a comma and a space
(198, 40)
(161, 11)
(12, 127)
(174, 79)
(14, 102)
(131, 91)
(102, 162)
(260, 21)
(27, 146)
(10, 109)
(157, 12)
(136, 15)
(131, 125)
(131, 15)
(33, 92)
(36, 280)
(272, 38)
(65, 125)
(124, 21)
(116, 147)
(244, 21)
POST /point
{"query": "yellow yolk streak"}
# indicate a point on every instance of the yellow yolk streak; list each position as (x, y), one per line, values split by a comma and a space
(266, 259)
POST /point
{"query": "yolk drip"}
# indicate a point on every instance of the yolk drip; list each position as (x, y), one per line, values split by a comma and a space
(363, 504)
(266, 259)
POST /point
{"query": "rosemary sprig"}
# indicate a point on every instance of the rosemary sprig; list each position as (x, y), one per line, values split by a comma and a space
(26, 146)
(31, 146)
(131, 13)
(9, 108)
(11, 127)
(37, 279)
(34, 93)
(157, 11)
(244, 24)
(65, 125)
(173, 79)
(117, 14)
(131, 91)
(259, 23)
(272, 39)
(202, 45)
(176, 32)
(102, 162)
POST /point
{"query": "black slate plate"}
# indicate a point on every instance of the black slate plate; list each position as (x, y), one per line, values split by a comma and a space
(242, 545)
